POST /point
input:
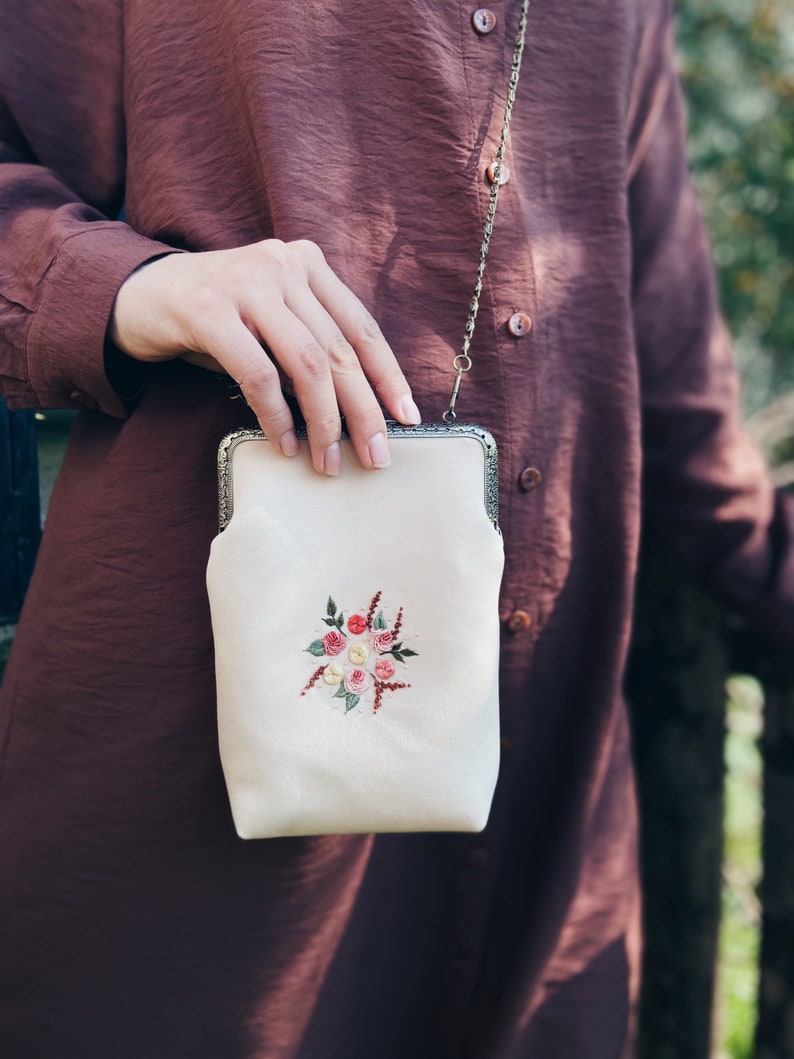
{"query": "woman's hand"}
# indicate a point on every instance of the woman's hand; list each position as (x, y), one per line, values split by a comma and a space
(217, 309)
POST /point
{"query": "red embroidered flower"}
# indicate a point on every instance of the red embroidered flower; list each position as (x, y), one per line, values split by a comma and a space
(380, 641)
(384, 669)
(356, 682)
(356, 624)
(334, 642)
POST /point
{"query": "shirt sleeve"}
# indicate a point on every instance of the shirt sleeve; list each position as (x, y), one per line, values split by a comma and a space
(62, 163)
(706, 486)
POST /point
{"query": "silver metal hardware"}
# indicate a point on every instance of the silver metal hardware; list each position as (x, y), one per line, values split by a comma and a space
(394, 430)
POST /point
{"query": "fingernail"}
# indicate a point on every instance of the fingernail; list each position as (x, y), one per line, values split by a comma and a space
(379, 451)
(289, 443)
(333, 460)
(410, 413)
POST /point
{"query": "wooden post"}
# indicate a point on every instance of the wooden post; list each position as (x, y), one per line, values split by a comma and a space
(676, 690)
(20, 519)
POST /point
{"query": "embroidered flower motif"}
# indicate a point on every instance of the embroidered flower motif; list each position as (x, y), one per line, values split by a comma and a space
(371, 611)
(334, 642)
(358, 654)
(312, 680)
(351, 684)
(384, 669)
(380, 642)
(333, 674)
(356, 682)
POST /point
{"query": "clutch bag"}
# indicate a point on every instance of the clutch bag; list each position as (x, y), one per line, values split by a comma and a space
(356, 635)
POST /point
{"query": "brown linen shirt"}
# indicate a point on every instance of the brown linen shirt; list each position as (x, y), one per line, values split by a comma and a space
(135, 923)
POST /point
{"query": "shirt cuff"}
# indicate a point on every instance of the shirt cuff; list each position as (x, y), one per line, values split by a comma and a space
(66, 341)
(127, 376)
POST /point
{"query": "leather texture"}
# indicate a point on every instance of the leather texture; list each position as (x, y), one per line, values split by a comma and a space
(408, 551)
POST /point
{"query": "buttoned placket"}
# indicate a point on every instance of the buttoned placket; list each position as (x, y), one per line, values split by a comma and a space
(514, 340)
(486, 42)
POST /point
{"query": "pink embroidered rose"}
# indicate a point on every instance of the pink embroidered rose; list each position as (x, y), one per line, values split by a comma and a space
(380, 641)
(356, 682)
(356, 624)
(384, 669)
(334, 642)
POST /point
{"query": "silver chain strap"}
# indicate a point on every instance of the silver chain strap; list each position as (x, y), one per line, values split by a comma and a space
(462, 362)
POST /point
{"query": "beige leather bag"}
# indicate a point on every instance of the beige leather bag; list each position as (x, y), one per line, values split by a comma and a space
(357, 636)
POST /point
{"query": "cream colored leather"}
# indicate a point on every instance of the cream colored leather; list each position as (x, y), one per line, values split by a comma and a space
(300, 762)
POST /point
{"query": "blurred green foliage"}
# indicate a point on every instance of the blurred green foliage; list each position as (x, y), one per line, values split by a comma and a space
(737, 60)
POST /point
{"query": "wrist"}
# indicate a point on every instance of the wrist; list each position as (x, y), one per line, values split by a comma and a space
(127, 331)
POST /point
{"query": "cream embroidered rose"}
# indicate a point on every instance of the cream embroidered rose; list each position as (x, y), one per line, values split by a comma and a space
(358, 654)
(384, 669)
(332, 674)
(380, 641)
(334, 642)
(356, 682)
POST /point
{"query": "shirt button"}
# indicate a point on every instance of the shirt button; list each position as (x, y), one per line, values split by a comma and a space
(82, 400)
(529, 479)
(519, 325)
(504, 173)
(483, 20)
(519, 621)
(479, 857)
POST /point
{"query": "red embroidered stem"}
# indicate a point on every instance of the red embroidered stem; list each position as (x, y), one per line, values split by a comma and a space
(371, 611)
(315, 677)
(380, 687)
(398, 624)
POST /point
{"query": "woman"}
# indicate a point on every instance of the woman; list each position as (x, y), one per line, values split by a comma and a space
(136, 924)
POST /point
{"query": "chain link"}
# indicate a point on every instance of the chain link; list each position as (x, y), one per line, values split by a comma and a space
(462, 362)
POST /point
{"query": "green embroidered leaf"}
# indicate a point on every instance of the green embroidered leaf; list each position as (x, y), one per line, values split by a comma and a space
(331, 622)
(352, 702)
(397, 646)
(340, 692)
(316, 648)
(408, 653)
(397, 656)
(340, 621)
(331, 609)
(380, 621)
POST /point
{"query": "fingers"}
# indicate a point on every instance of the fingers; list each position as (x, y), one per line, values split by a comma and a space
(295, 349)
(305, 362)
(365, 336)
(222, 307)
(235, 349)
(365, 422)
(322, 347)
